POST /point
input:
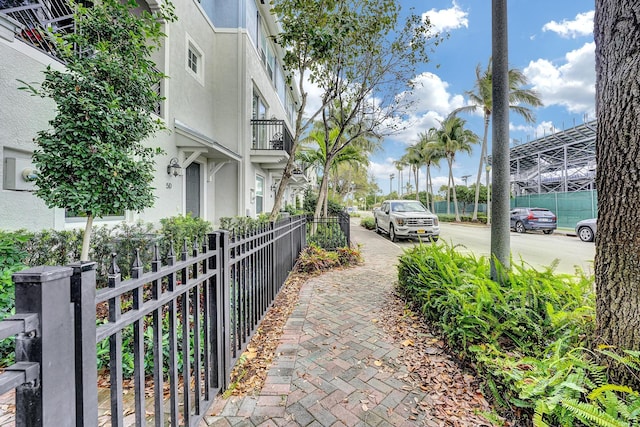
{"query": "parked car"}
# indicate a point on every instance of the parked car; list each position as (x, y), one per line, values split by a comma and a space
(524, 219)
(586, 229)
(406, 219)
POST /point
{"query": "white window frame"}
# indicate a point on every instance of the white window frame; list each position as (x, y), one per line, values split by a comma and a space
(192, 47)
(259, 194)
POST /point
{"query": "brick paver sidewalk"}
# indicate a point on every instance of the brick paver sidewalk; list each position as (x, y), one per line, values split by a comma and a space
(335, 364)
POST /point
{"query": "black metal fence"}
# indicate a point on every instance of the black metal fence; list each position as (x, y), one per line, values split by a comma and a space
(330, 233)
(172, 333)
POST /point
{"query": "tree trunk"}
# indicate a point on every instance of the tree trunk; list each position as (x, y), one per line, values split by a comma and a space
(617, 262)
(322, 202)
(500, 234)
(453, 186)
(449, 189)
(426, 185)
(483, 158)
(86, 239)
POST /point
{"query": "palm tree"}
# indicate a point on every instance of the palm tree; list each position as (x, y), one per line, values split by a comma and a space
(400, 165)
(314, 152)
(413, 158)
(453, 138)
(431, 153)
(481, 99)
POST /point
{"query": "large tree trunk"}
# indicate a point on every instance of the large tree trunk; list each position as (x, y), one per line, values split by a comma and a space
(617, 262)
(500, 234)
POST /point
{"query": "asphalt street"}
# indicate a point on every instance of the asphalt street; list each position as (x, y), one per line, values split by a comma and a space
(534, 248)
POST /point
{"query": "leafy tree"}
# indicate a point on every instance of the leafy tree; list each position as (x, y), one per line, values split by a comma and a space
(481, 99)
(309, 36)
(352, 49)
(453, 138)
(92, 160)
(617, 268)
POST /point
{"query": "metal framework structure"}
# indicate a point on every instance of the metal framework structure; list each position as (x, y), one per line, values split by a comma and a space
(563, 161)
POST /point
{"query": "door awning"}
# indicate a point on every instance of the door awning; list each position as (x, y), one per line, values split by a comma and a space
(190, 139)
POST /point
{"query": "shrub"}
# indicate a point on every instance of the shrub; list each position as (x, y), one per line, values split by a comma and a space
(528, 337)
(181, 228)
(482, 218)
(314, 259)
(368, 222)
(241, 225)
(309, 205)
(327, 235)
(349, 256)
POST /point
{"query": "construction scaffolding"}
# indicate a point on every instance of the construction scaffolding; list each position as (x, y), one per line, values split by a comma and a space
(563, 161)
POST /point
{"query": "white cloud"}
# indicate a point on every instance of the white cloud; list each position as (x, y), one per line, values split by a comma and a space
(431, 102)
(582, 25)
(447, 19)
(571, 84)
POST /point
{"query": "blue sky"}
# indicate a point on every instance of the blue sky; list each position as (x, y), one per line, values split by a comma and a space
(550, 41)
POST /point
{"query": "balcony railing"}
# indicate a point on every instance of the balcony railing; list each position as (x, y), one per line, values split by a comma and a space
(50, 15)
(36, 18)
(271, 135)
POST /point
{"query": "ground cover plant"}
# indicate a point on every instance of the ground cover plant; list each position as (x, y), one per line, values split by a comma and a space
(368, 222)
(528, 337)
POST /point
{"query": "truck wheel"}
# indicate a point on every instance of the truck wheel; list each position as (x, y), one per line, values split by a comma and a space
(392, 233)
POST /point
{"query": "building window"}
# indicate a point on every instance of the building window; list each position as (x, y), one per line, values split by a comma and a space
(259, 108)
(195, 60)
(259, 194)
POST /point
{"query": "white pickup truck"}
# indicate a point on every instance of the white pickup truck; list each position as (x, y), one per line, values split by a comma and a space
(406, 219)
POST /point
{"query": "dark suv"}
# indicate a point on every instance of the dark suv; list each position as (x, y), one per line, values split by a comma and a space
(523, 219)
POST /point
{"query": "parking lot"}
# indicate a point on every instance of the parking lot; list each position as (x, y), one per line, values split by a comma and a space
(536, 249)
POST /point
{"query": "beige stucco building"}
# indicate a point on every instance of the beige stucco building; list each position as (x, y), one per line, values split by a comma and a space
(227, 105)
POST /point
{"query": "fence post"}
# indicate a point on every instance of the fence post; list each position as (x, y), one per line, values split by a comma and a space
(46, 291)
(83, 297)
(225, 306)
(348, 228)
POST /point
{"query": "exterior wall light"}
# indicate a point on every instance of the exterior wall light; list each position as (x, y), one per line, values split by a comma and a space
(174, 167)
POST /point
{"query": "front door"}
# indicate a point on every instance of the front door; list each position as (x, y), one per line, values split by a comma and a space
(193, 189)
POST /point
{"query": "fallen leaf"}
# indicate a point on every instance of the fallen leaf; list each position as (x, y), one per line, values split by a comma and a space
(365, 408)
(408, 342)
(377, 363)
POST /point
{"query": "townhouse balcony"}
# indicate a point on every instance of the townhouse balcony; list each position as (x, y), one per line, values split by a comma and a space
(272, 143)
(38, 17)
